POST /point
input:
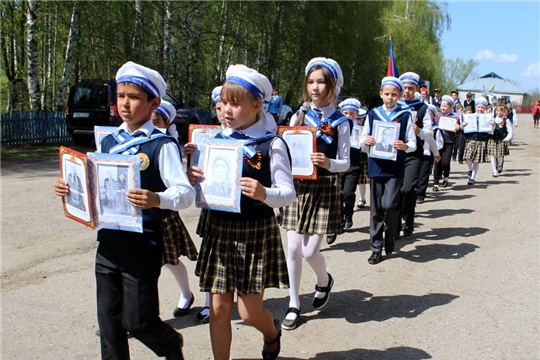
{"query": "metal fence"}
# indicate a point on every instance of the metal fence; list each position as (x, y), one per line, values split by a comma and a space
(33, 127)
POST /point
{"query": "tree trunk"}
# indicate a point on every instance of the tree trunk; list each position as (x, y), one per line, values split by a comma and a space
(166, 41)
(67, 60)
(33, 81)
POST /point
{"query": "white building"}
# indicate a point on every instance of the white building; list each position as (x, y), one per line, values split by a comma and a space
(491, 85)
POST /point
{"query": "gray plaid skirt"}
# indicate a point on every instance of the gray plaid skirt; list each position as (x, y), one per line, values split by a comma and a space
(241, 256)
(317, 207)
(176, 239)
(496, 148)
(475, 151)
(364, 177)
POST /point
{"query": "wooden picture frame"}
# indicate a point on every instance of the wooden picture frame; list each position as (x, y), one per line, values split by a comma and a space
(385, 133)
(100, 132)
(302, 142)
(222, 162)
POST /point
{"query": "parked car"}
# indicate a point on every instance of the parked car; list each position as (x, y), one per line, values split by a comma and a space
(93, 102)
(284, 116)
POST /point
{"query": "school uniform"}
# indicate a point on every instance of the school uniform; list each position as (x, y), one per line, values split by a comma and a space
(128, 264)
(386, 176)
(317, 207)
(243, 252)
(442, 168)
(497, 149)
(431, 150)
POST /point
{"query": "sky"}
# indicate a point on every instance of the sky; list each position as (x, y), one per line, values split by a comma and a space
(502, 36)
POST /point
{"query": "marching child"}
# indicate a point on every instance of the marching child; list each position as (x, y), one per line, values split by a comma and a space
(176, 238)
(243, 252)
(431, 155)
(442, 168)
(497, 145)
(386, 176)
(363, 179)
(316, 210)
(475, 150)
(128, 264)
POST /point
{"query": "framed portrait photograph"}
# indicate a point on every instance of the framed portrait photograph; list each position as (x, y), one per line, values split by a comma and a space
(385, 133)
(100, 132)
(302, 142)
(222, 162)
(195, 134)
(484, 125)
(355, 136)
(110, 178)
(448, 123)
(74, 170)
(472, 123)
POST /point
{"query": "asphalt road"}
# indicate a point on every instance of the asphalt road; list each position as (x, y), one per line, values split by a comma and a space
(465, 286)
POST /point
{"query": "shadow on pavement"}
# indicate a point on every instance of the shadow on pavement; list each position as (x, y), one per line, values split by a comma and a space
(402, 352)
(437, 213)
(426, 253)
(446, 233)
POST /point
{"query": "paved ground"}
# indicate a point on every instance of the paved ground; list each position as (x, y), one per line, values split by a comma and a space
(465, 286)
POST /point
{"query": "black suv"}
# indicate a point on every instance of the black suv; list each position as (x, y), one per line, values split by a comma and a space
(93, 102)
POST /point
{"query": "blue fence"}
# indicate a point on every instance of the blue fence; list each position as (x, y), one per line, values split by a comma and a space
(33, 127)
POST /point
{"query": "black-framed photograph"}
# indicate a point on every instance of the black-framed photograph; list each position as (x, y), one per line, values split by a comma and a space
(302, 142)
(472, 123)
(355, 136)
(110, 178)
(385, 133)
(222, 162)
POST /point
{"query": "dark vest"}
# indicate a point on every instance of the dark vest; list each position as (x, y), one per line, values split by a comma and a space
(421, 109)
(151, 180)
(510, 115)
(388, 168)
(251, 209)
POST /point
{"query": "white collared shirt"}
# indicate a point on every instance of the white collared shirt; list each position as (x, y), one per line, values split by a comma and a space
(282, 193)
(179, 193)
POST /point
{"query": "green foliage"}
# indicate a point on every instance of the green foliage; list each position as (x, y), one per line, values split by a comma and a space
(276, 37)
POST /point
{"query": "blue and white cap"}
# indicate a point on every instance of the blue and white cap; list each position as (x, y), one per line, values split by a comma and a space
(150, 80)
(432, 108)
(350, 104)
(392, 81)
(166, 109)
(216, 94)
(481, 101)
(332, 66)
(362, 113)
(250, 79)
(410, 78)
(449, 100)
(417, 96)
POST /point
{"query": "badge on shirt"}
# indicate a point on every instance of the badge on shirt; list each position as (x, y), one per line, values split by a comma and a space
(145, 161)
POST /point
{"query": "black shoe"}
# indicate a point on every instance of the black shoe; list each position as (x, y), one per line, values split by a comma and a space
(499, 169)
(469, 174)
(407, 231)
(461, 162)
(330, 238)
(274, 354)
(203, 319)
(375, 258)
(181, 312)
(287, 324)
(348, 223)
(361, 204)
(319, 303)
(419, 201)
(444, 183)
(471, 181)
(389, 246)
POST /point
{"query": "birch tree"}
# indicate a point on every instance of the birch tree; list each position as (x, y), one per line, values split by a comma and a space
(32, 48)
(67, 60)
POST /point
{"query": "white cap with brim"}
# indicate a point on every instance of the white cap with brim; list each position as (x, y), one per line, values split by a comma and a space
(449, 100)
(350, 104)
(216, 94)
(250, 79)
(410, 78)
(332, 66)
(150, 80)
(392, 81)
(166, 109)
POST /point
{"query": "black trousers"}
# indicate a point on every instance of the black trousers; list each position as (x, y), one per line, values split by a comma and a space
(423, 178)
(462, 141)
(408, 191)
(127, 301)
(349, 182)
(442, 168)
(385, 193)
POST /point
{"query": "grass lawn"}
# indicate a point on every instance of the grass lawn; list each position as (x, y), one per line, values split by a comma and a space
(36, 152)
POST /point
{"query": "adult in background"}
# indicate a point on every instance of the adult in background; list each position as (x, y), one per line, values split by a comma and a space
(436, 99)
(275, 104)
(469, 102)
(536, 113)
(455, 97)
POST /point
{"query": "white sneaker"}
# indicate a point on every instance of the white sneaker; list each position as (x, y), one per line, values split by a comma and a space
(435, 187)
(495, 174)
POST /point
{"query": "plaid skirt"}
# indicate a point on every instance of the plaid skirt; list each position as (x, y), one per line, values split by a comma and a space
(497, 148)
(317, 207)
(201, 225)
(176, 239)
(241, 256)
(364, 177)
(475, 151)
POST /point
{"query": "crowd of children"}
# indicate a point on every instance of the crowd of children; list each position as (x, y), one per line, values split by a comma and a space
(402, 143)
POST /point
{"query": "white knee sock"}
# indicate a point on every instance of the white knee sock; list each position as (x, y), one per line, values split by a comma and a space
(475, 167)
(469, 164)
(500, 160)
(206, 311)
(494, 164)
(181, 276)
(362, 188)
(294, 265)
(312, 254)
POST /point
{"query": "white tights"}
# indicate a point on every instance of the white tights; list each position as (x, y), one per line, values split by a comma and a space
(362, 188)
(181, 276)
(494, 161)
(307, 246)
(473, 167)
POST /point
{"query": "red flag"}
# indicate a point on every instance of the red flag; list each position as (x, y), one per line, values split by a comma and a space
(392, 68)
